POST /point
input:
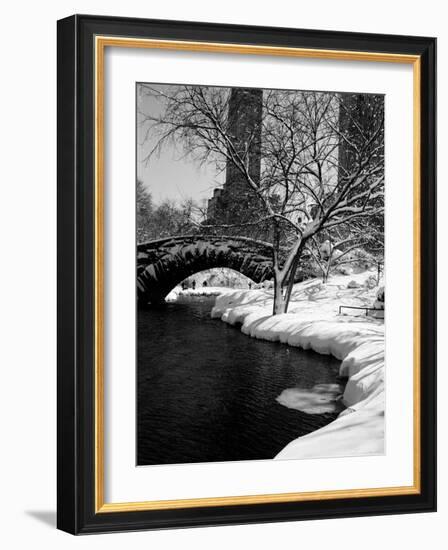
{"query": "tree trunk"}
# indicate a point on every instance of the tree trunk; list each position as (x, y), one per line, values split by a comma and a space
(292, 275)
(279, 300)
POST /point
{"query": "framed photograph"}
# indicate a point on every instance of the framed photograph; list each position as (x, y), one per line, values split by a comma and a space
(233, 202)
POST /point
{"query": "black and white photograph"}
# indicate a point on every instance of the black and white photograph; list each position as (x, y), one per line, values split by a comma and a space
(260, 274)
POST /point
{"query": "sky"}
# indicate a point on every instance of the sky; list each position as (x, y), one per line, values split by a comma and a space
(167, 175)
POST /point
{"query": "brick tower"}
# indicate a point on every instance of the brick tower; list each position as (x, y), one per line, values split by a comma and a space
(360, 116)
(236, 202)
(358, 120)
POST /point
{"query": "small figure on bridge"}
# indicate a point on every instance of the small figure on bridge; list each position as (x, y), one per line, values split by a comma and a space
(205, 283)
(193, 285)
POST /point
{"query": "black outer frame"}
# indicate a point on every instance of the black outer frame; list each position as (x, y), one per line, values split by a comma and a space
(75, 404)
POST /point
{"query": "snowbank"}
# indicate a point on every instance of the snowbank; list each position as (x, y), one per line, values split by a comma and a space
(313, 322)
(177, 292)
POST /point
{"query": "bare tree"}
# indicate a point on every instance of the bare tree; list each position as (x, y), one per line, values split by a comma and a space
(302, 189)
(337, 247)
(144, 212)
(168, 218)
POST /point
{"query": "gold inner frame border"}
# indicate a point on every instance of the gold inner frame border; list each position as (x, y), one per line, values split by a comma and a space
(101, 42)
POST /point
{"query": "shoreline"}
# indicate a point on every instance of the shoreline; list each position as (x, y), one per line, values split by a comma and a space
(313, 323)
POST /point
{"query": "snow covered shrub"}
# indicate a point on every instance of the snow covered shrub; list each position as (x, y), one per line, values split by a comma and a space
(380, 297)
(313, 290)
(325, 249)
(344, 269)
(371, 281)
(361, 258)
(353, 284)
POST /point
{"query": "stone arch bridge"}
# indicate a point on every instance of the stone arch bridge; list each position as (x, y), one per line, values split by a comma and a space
(164, 263)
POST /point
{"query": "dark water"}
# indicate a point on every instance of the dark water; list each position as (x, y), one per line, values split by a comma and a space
(207, 392)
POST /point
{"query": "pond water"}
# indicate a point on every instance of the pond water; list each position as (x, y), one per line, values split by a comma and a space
(206, 392)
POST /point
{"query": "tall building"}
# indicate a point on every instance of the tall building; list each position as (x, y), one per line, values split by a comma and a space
(214, 204)
(361, 121)
(236, 202)
(359, 117)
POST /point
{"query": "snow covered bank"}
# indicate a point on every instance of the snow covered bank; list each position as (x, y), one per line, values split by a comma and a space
(313, 323)
(177, 292)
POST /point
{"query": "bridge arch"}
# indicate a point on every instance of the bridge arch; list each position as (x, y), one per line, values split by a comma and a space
(164, 263)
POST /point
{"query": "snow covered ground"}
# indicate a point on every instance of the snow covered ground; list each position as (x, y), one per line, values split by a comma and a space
(313, 322)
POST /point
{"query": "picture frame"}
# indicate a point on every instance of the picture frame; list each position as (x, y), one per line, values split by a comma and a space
(82, 42)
